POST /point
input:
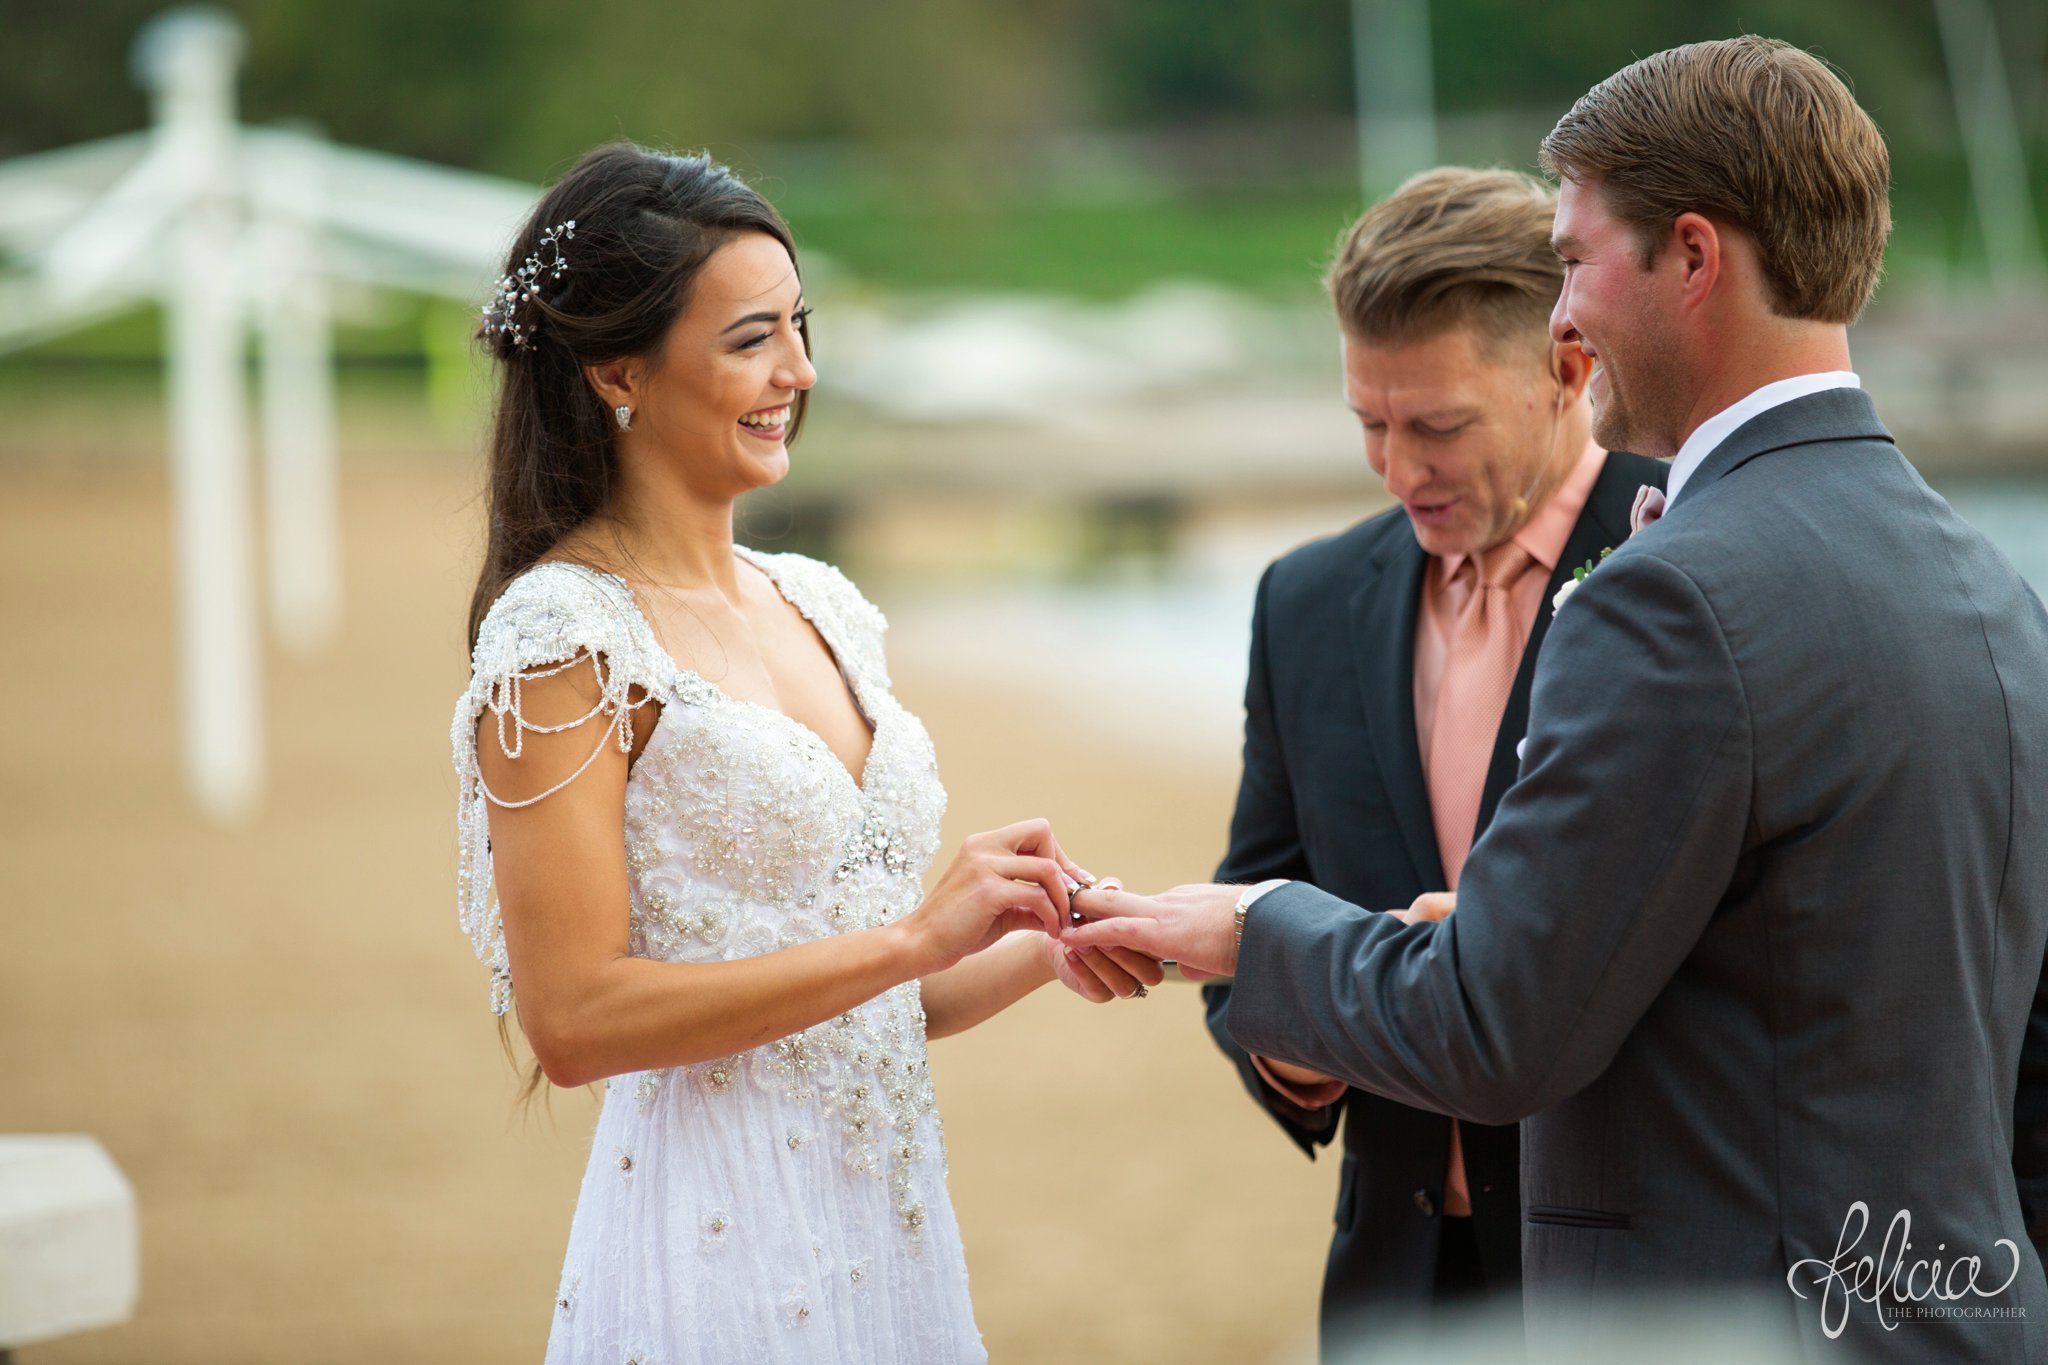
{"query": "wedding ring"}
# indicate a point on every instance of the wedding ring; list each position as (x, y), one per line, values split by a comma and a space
(1074, 916)
(1139, 994)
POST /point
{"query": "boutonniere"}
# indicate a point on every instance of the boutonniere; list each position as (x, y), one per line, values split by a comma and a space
(1649, 506)
(1571, 585)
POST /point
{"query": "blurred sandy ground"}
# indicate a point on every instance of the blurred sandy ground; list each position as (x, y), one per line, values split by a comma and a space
(281, 1036)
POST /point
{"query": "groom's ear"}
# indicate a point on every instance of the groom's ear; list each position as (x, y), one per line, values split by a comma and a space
(1696, 250)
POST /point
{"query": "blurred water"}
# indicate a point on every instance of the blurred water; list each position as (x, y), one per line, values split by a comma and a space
(1163, 662)
(2014, 514)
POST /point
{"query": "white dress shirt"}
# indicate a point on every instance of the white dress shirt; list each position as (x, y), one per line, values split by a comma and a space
(1718, 428)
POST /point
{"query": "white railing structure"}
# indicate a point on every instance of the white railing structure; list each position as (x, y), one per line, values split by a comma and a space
(237, 231)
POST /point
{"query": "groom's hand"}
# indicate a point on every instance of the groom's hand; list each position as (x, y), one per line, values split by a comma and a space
(1194, 925)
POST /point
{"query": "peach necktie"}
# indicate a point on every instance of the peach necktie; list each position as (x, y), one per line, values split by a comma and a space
(1485, 651)
(1483, 655)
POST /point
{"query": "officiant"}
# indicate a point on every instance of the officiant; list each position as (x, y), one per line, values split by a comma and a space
(1389, 683)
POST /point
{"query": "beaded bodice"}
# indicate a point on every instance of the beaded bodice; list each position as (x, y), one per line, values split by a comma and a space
(744, 832)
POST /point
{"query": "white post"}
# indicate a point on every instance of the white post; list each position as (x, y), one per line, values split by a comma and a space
(298, 403)
(1992, 143)
(1395, 91)
(188, 59)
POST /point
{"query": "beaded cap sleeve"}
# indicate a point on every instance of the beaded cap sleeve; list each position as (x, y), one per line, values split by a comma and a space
(552, 619)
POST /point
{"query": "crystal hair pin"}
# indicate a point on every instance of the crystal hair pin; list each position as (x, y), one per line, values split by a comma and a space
(545, 265)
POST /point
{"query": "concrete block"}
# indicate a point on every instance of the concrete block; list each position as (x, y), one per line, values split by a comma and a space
(70, 1254)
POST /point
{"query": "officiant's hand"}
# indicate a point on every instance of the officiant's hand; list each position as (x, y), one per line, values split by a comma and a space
(1293, 1075)
(1430, 906)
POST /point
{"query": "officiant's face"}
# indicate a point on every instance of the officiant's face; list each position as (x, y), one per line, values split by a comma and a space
(1470, 434)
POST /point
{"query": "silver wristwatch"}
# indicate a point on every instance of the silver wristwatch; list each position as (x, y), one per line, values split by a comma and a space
(1244, 903)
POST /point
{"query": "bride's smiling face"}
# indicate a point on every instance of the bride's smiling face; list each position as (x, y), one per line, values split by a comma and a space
(718, 398)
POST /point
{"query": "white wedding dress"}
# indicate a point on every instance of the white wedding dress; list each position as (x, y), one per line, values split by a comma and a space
(787, 1204)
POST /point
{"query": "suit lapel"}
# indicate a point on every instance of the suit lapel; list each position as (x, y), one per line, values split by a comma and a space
(1602, 525)
(1383, 612)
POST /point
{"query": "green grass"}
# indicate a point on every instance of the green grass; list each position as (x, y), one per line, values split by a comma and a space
(1265, 243)
(396, 334)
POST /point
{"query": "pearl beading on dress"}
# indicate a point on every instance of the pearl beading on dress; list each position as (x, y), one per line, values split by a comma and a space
(547, 621)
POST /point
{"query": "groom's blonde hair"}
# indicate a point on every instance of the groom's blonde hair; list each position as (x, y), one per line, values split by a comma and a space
(1453, 247)
(1749, 131)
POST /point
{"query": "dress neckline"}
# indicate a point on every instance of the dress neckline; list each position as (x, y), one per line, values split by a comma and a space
(855, 684)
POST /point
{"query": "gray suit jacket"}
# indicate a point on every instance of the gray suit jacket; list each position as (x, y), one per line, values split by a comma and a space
(1758, 933)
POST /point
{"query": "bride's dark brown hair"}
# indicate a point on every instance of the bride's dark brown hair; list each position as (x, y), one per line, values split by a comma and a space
(646, 222)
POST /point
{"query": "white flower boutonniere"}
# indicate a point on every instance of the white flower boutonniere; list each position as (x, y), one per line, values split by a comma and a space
(1571, 585)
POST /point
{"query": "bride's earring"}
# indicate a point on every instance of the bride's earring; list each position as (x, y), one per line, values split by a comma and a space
(625, 416)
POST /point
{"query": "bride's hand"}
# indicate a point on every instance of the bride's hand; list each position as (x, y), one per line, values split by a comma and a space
(1003, 880)
(1103, 974)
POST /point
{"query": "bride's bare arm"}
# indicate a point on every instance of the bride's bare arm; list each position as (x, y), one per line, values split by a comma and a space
(982, 986)
(589, 1010)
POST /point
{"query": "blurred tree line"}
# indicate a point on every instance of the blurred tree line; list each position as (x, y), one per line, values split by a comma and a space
(918, 111)
(517, 86)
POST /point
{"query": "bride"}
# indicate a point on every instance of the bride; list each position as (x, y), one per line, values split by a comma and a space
(695, 821)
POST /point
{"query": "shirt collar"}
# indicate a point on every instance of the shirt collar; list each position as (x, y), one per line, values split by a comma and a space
(1709, 434)
(1544, 534)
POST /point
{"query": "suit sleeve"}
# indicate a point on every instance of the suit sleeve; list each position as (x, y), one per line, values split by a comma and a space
(1265, 842)
(1595, 880)
(2030, 1123)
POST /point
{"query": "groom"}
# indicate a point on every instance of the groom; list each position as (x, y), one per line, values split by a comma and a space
(1753, 943)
